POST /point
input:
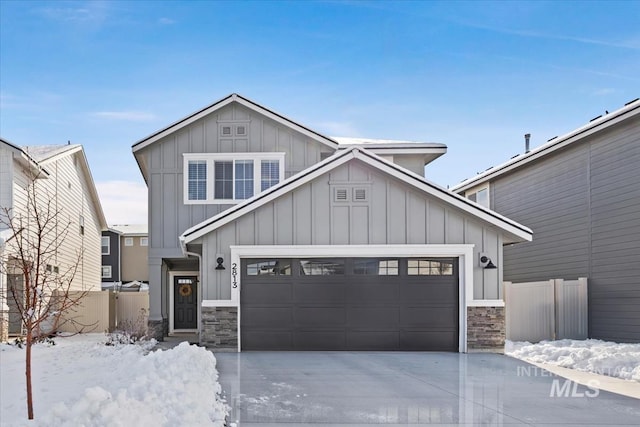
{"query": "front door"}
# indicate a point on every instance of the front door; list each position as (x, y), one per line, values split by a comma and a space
(185, 302)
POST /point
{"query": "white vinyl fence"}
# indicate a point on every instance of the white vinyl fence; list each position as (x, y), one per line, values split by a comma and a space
(101, 311)
(554, 309)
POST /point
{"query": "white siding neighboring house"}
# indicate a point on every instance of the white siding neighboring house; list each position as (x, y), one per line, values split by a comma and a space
(65, 178)
(580, 193)
(265, 234)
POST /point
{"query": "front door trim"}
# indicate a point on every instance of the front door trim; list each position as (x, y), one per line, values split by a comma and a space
(172, 275)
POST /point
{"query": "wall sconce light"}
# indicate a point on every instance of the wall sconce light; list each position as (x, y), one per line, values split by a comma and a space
(485, 262)
(220, 260)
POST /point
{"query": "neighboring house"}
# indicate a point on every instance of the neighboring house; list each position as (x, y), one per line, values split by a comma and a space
(265, 234)
(63, 175)
(580, 193)
(125, 254)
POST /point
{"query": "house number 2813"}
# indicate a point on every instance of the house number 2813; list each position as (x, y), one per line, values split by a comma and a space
(234, 275)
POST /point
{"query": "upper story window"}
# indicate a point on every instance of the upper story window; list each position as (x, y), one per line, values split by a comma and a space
(480, 195)
(144, 241)
(105, 242)
(128, 241)
(229, 178)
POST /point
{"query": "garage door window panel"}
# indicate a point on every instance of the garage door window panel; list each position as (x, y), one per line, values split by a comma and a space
(429, 267)
(268, 267)
(321, 267)
(376, 267)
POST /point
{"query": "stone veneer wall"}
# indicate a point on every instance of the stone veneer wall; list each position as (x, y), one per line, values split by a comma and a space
(486, 329)
(219, 327)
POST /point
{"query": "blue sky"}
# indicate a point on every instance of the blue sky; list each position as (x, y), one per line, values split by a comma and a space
(475, 76)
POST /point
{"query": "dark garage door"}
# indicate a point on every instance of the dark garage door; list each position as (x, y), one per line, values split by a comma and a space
(349, 304)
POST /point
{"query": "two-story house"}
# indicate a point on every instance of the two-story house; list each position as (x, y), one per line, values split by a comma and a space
(580, 192)
(62, 176)
(125, 255)
(265, 234)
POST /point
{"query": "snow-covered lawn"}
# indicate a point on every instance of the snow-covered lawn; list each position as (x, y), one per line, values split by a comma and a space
(81, 381)
(599, 357)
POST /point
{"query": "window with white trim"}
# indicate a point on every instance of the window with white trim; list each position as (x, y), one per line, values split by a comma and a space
(144, 241)
(106, 272)
(128, 241)
(105, 243)
(480, 195)
(229, 178)
(197, 179)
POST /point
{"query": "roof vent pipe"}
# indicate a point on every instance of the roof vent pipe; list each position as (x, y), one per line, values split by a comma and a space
(527, 136)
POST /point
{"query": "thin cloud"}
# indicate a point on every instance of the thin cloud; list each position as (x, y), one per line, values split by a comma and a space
(123, 202)
(166, 21)
(603, 92)
(130, 116)
(80, 13)
(630, 44)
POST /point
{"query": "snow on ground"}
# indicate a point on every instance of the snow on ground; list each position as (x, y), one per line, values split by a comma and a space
(81, 381)
(599, 357)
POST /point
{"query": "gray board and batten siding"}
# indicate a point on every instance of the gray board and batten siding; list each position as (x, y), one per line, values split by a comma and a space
(392, 213)
(113, 258)
(583, 204)
(164, 162)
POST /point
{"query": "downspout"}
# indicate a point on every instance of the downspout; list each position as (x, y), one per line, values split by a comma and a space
(199, 284)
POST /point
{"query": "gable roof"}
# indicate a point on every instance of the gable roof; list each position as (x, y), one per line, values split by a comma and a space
(46, 154)
(26, 159)
(630, 110)
(234, 97)
(515, 231)
(130, 229)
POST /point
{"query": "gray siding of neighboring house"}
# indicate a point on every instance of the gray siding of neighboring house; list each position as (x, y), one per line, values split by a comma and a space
(583, 205)
(113, 259)
(395, 214)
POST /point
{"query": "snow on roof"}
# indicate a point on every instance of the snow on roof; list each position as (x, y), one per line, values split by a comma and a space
(44, 152)
(387, 142)
(131, 228)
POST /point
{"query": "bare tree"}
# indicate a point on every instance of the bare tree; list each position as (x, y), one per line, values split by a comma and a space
(37, 232)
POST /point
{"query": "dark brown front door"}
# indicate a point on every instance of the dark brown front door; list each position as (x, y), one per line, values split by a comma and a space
(185, 302)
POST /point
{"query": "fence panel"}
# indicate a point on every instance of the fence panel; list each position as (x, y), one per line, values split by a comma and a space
(530, 311)
(571, 309)
(129, 306)
(91, 315)
(554, 309)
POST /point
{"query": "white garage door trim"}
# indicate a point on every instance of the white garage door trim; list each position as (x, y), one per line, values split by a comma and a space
(464, 253)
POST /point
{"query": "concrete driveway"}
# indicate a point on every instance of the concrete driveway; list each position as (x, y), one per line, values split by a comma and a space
(364, 388)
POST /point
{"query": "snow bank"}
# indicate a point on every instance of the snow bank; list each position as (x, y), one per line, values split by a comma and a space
(599, 357)
(83, 382)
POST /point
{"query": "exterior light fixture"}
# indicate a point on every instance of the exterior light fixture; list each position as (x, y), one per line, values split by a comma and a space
(485, 262)
(220, 260)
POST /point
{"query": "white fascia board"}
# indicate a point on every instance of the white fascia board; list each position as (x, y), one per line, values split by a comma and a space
(558, 143)
(447, 196)
(266, 196)
(72, 149)
(222, 103)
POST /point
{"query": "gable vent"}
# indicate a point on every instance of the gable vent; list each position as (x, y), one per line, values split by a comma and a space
(341, 195)
(241, 130)
(360, 194)
(226, 130)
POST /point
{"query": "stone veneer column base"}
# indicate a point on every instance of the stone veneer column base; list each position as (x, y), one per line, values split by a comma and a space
(485, 329)
(158, 329)
(219, 328)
